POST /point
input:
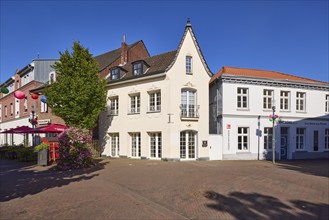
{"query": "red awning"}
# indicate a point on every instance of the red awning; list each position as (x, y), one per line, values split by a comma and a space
(19, 130)
(52, 128)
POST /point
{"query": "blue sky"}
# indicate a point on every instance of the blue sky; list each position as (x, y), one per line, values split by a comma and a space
(284, 36)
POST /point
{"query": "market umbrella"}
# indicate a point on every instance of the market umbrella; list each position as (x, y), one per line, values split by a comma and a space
(19, 130)
(52, 128)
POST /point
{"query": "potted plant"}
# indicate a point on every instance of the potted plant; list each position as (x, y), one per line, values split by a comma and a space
(43, 154)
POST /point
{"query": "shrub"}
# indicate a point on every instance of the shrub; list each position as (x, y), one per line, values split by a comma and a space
(25, 154)
(42, 146)
(73, 149)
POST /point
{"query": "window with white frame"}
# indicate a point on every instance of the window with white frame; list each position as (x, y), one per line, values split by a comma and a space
(188, 64)
(17, 107)
(155, 145)
(52, 77)
(267, 99)
(135, 144)
(189, 104)
(135, 103)
(25, 105)
(300, 138)
(115, 146)
(188, 144)
(242, 98)
(114, 106)
(326, 139)
(243, 138)
(138, 68)
(155, 101)
(115, 74)
(300, 101)
(6, 111)
(327, 104)
(43, 107)
(285, 100)
(268, 134)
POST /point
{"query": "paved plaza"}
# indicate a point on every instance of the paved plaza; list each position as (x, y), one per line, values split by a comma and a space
(144, 189)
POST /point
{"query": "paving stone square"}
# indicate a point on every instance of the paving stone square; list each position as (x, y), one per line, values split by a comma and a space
(146, 189)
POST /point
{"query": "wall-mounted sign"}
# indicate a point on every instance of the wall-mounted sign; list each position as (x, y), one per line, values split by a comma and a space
(204, 143)
(228, 126)
(44, 121)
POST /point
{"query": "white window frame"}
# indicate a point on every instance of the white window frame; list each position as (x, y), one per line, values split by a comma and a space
(115, 72)
(155, 101)
(114, 106)
(268, 96)
(268, 135)
(43, 107)
(6, 111)
(326, 139)
(300, 138)
(188, 144)
(327, 104)
(135, 103)
(155, 145)
(135, 144)
(25, 105)
(243, 135)
(17, 108)
(114, 144)
(189, 107)
(242, 95)
(189, 64)
(300, 101)
(285, 100)
(138, 68)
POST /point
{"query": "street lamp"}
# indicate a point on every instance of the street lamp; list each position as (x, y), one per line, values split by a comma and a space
(273, 133)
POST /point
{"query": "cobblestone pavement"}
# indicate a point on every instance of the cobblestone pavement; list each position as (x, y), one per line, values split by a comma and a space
(144, 189)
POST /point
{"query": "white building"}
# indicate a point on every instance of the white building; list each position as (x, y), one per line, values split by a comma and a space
(158, 107)
(241, 102)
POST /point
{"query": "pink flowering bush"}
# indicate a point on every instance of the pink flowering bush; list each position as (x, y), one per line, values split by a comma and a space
(74, 152)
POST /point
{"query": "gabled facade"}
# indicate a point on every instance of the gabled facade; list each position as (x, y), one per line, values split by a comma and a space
(156, 106)
(242, 100)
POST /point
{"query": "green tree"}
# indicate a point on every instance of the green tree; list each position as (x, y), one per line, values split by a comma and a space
(78, 95)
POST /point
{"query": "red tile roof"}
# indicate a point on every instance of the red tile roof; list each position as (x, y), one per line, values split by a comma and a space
(266, 74)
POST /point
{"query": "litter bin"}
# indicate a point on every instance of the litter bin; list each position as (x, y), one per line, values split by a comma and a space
(43, 157)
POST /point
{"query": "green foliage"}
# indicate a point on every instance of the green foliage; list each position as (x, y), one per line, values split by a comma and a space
(20, 153)
(42, 146)
(78, 95)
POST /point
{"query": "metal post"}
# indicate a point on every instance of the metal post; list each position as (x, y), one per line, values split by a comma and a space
(273, 136)
(33, 125)
(258, 134)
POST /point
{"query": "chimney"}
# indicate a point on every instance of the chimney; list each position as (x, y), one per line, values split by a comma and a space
(124, 51)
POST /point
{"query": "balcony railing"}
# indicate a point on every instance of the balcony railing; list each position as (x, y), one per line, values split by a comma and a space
(189, 111)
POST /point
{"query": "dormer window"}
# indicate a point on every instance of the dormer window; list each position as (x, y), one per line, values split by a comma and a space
(115, 74)
(138, 68)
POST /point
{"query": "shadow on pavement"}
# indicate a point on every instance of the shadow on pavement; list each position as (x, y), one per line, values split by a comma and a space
(311, 167)
(257, 206)
(21, 179)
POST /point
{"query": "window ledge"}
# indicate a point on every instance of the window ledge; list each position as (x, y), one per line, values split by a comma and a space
(133, 113)
(301, 151)
(243, 152)
(153, 112)
(243, 109)
(282, 110)
(303, 112)
(189, 119)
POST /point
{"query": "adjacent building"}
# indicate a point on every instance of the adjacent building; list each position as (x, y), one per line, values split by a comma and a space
(242, 101)
(16, 112)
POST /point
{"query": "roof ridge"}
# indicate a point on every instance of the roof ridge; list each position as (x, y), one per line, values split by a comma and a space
(119, 48)
(285, 74)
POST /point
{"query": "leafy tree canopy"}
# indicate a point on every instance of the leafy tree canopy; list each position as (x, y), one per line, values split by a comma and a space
(78, 95)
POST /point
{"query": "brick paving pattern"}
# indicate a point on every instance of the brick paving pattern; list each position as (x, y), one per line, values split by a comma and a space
(143, 189)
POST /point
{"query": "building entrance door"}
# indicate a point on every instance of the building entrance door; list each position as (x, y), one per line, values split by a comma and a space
(284, 143)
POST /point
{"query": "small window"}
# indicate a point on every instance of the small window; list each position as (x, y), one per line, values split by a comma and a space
(188, 65)
(327, 104)
(300, 101)
(115, 74)
(138, 68)
(242, 98)
(155, 101)
(267, 99)
(243, 138)
(285, 100)
(134, 104)
(52, 77)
